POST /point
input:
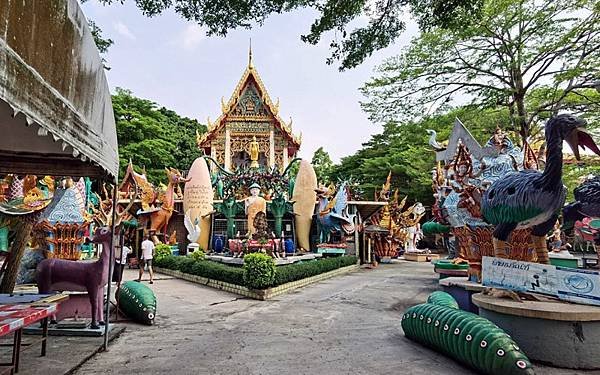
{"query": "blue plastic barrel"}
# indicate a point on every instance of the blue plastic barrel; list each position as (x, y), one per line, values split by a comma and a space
(218, 243)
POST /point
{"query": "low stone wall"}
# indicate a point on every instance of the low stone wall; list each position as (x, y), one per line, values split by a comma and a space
(263, 294)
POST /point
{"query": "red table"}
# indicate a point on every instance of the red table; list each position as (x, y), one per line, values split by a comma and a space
(15, 317)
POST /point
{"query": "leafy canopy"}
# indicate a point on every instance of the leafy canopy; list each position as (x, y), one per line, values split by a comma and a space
(351, 47)
(152, 137)
(512, 48)
(323, 165)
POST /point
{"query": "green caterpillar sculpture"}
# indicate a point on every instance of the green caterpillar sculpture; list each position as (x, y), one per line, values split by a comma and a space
(467, 337)
(137, 301)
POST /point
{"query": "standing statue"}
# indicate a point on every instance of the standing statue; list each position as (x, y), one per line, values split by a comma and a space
(254, 204)
(333, 215)
(159, 220)
(530, 199)
(279, 206)
(253, 151)
(229, 208)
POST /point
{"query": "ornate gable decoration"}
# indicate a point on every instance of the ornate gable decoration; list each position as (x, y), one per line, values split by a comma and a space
(249, 101)
(250, 104)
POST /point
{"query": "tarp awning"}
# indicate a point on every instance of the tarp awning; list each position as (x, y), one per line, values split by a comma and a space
(55, 107)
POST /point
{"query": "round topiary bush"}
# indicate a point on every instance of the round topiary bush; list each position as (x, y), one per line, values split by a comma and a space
(162, 250)
(197, 255)
(259, 271)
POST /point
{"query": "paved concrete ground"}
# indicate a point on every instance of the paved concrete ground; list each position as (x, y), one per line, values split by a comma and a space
(346, 325)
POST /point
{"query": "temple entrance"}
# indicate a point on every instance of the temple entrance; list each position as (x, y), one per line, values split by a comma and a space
(241, 159)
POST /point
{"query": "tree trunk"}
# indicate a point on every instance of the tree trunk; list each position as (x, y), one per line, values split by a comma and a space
(14, 260)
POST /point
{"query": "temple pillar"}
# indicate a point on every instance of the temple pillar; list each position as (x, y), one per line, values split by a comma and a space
(272, 149)
(213, 154)
(285, 157)
(227, 150)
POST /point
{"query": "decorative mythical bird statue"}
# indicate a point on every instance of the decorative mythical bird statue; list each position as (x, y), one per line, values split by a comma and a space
(433, 142)
(531, 199)
(333, 216)
(587, 201)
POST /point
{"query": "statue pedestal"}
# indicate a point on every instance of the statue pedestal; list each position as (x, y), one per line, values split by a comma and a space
(420, 256)
(563, 259)
(462, 289)
(445, 268)
(558, 333)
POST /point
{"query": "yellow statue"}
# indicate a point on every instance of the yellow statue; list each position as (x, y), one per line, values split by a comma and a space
(253, 153)
(254, 204)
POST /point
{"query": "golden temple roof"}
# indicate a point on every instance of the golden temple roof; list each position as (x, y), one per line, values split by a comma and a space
(250, 73)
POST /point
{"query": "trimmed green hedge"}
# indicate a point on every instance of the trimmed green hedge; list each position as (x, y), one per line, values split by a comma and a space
(302, 270)
(203, 268)
(235, 275)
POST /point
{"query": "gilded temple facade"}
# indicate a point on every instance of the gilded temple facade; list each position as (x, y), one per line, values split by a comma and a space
(249, 114)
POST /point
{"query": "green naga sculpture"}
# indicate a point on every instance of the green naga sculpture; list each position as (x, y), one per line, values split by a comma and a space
(279, 206)
(468, 338)
(229, 208)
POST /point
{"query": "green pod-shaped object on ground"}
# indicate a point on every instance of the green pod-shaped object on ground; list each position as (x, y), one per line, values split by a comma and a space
(137, 301)
(468, 338)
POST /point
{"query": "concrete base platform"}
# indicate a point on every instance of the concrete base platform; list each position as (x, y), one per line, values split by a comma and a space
(53, 330)
(420, 257)
(278, 261)
(462, 290)
(557, 333)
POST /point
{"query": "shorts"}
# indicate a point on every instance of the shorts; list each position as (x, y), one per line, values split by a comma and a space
(146, 262)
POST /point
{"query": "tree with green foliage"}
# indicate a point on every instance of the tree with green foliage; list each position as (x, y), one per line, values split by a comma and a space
(386, 19)
(101, 43)
(511, 49)
(323, 165)
(153, 137)
(402, 148)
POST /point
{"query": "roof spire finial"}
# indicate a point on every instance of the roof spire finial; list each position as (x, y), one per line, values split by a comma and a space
(250, 54)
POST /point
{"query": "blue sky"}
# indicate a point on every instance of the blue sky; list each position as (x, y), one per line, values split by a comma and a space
(172, 62)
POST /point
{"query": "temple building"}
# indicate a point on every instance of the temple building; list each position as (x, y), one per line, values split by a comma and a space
(250, 113)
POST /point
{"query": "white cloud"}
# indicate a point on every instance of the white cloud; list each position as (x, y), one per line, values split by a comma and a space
(191, 36)
(123, 30)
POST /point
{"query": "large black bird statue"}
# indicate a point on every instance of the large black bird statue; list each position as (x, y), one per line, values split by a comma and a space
(531, 199)
(587, 201)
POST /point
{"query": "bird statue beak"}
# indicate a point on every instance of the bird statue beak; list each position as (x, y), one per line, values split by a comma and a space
(579, 137)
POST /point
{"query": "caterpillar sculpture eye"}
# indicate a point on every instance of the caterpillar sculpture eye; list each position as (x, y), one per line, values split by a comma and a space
(446, 327)
(421, 317)
(437, 323)
(456, 331)
(483, 344)
(521, 364)
(469, 338)
(428, 320)
(500, 352)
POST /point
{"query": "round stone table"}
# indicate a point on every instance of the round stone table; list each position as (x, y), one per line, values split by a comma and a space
(558, 333)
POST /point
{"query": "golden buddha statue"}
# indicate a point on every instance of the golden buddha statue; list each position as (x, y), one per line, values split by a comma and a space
(254, 204)
(253, 151)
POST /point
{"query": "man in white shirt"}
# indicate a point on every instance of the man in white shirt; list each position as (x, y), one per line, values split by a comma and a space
(147, 255)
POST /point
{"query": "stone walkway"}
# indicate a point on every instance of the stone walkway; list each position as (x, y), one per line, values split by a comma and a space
(346, 325)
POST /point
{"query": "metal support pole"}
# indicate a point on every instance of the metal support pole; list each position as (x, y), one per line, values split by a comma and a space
(110, 264)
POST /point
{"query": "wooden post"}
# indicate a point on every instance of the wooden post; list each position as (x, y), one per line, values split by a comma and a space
(23, 232)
